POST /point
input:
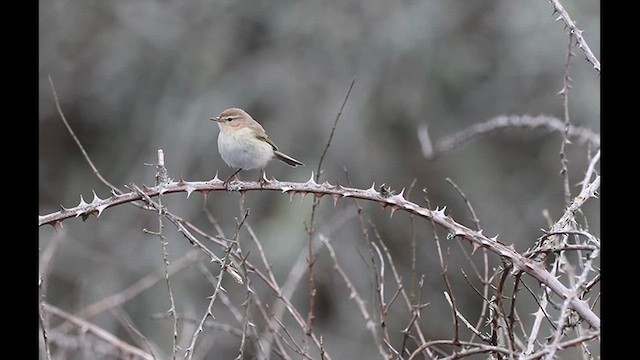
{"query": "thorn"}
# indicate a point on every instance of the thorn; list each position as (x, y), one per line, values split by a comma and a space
(189, 189)
(311, 181)
(303, 195)
(95, 197)
(558, 18)
(181, 182)
(100, 209)
(82, 202)
(57, 225)
(373, 187)
(393, 210)
(475, 247)
(62, 208)
(336, 197)
(215, 178)
(291, 196)
(286, 189)
(205, 194)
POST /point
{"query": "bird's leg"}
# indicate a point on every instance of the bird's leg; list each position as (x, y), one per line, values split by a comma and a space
(226, 182)
(263, 178)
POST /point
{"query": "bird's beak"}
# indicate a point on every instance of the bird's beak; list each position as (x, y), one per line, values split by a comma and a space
(217, 118)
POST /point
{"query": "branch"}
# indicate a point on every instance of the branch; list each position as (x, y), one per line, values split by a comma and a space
(99, 332)
(456, 140)
(396, 202)
(573, 29)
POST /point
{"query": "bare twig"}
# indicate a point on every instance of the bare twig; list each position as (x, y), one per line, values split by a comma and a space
(353, 294)
(316, 201)
(456, 140)
(99, 332)
(43, 323)
(75, 138)
(443, 272)
(125, 319)
(209, 311)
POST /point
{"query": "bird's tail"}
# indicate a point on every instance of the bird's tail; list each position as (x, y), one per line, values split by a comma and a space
(287, 159)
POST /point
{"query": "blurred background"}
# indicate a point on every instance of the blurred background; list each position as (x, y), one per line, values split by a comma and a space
(137, 76)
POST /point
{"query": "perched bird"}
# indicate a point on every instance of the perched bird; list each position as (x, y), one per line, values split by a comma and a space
(244, 145)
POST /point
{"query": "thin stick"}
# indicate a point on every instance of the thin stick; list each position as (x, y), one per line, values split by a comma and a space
(99, 332)
(135, 289)
(443, 272)
(333, 129)
(127, 322)
(75, 138)
(316, 202)
(161, 178)
(43, 323)
(567, 123)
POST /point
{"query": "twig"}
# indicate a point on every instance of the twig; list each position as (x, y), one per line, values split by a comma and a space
(567, 121)
(589, 190)
(99, 332)
(443, 272)
(209, 312)
(125, 319)
(563, 345)
(316, 202)
(75, 138)
(353, 294)
(333, 129)
(465, 321)
(43, 323)
(161, 179)
(135, 289)
(456, 140)
(573, 30)
(474, 217)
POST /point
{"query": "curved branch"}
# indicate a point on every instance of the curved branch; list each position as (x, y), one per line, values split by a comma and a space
(396, 202)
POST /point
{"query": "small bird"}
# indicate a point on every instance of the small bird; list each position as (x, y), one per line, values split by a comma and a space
(244, 145)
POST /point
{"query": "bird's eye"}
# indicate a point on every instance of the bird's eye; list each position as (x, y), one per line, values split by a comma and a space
(229, 118)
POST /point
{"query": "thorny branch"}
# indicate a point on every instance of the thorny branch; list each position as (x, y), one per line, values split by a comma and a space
(573, 29)
(396, 202)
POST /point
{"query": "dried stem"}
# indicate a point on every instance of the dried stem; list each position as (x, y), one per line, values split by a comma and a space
(456, 140)
(99, 332)
(316, 202)
(573, 30)
(567, 121)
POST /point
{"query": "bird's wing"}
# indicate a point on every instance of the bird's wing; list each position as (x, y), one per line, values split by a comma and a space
(266, 139)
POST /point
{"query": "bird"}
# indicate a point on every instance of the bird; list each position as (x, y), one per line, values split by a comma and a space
(243, 143)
